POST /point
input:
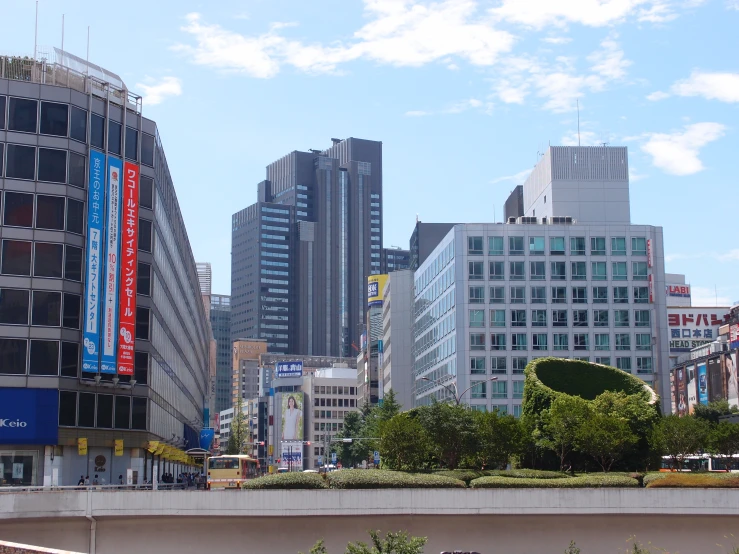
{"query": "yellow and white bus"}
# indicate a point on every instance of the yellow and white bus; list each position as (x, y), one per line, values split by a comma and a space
(231, 470)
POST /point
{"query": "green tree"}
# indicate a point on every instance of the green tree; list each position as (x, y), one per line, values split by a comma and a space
(451, 429)
(318, 548)
(723, 439)
(404, 444)
(604, 437)
(351, 453)
(561, 424)
(679, 437)
(572, 549)
(238, 430)
(497, 438)
(393, 543)
(713, 410)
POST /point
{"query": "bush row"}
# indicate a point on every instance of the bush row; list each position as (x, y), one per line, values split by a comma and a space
(581, 482)
(692, 480)
(287, 481)
(383, 479)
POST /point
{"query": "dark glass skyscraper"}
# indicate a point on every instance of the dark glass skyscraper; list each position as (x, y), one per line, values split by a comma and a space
(301, 255)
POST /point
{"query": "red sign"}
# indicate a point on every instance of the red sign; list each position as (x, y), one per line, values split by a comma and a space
(651, 288)
(696, 319)
(129, 268)
(678, 290)
(650, 253)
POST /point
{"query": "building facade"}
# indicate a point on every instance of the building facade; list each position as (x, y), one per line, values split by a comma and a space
(81, 164)
(245, 369)
(424, 239)
(220, 323)
(396, 370)
(395, 259)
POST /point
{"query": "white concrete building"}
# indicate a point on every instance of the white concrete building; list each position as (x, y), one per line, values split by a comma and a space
(396, 367)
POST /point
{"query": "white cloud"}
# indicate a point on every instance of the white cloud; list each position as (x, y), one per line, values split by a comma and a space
(677, 153)
(731, 256)
(732, 5)
(557, 40)
(712, 86)
(609, 61)
(587, 138)
(459, 107)
(705, 296)
(657, 95)
(634, 174)
(517, 178)
(155, 92)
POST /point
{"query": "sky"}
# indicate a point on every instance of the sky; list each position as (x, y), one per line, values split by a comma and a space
(464, 95)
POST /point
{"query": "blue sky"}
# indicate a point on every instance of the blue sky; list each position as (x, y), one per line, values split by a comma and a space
(463, 94)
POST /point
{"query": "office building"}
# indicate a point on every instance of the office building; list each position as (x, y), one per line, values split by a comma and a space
(395, 259)
(396, 368)
(302, 253)
(492, 297)
(678, 291)
(370, 353)
(205, 279)
(100, 361)
(424, 239)
(245, 369)
(220, 324)
(513, 207)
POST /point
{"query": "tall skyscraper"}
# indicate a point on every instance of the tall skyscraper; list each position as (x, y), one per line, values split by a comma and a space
(220, 323)
(301, 255)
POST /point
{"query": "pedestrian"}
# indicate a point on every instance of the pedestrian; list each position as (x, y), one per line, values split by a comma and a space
(96, 481)
(120, 479)
(87, 480)
(81, 482)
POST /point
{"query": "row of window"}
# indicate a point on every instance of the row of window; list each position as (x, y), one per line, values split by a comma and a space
(559, 318)
(330, 414)
(579, 295)
(559, 342)
(557, 246)
(334, 402)
(499, 365)
(41, 211)
(558, 271)
(351, 391)
(102, 411)
(25, 115)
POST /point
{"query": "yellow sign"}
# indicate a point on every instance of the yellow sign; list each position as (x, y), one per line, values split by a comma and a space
(271, 469)
(119, 447)
(152, 446)
(82, 447)
(270, 450)
(375, 289)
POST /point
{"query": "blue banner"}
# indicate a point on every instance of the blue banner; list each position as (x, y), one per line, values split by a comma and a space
(29, 416)
(206, 438)
(94, 262)
(111, 268)
(289, 369)
(702, 384)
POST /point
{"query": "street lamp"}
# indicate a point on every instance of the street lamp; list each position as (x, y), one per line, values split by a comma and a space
(457, 397)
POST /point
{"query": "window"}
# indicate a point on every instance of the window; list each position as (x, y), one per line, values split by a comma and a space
(497, 318)
(497, 271)
(2, 112)
(143, 280)
(477, 318)
(498, 389)
(638, 246)
(77, 170)
(44, 358)
(495, 246)
(75, 216)
(580, 340)
(644, 365)
(497, 341)
(477, 295)
(536, 245)
(16, 258)
(132, 143)
(605, 360)
(577, 246)
(579, 318)
(21, 162)
(538, 295)
(497, 295)
(67, 408)
(624, 364)
(18, 209)
(559, 271)
(538, 271)
(518, 364)
(142, 323)
(474, 246)
(620, 295)
(498, 366)
(477, 341)
(54, 119)
(105, 411)
(478, 390)
(560, 341)
(623, 341)
(70, 359)
(147, 150)
(13, 307)
(475, 271)
(518, 295)
(639, 271)
(621, 318)
(579, 295)
(86, 409)
(641, 318)
(618, 246)
(518, 318)
(600, 318)
(114, 137)
(97, 131)
(22, 115)
(519, 342)
(477, 366)
(47, 260)
(46, 310)
(145, 233)
(122, 412)
(600, 295)
(602, 341)
(517, 411)
(72, 311)
(146, 192)
(598, 271)
(579, 273)
(539, 341)
(518, 388)
(73, 263)
(78, 124)
(598, 246)
(641, 295)
(643, 341)
(138, 413)
(517, 271)
(559, 295)
(141, 367)
(50, 212)
(557, 246)
(515, 246)
(538, 318)
(559, 318)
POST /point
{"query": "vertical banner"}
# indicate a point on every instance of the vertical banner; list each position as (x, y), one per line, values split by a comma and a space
(702, 384)
(112, 251)
(94, 247)
(650, 253)
(129, 268)
(650, 278)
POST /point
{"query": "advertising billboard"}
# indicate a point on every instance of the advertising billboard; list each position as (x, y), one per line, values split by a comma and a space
(691, 378)
(734, 336)
(681, 392)
(129, 268)
(111, 267)
(94, 255)
(291, 455)
(702, 384)
(694, 327)
(292, 416)
(375, 287)
(289, 369)
(716, 389)
(732, 378)
(29, 416)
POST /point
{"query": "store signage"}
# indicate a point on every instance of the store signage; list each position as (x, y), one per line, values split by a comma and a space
(118, 447)
(694, 327)
(289, 369)
(651, 288)
(734, 336)
(82, 447)
(29, 416)
(650, 253)
(129, 269)
(680, 291)
(111, 267)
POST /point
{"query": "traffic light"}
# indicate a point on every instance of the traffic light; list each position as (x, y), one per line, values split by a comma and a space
(277, 460)
(261, 443)
(307, 442)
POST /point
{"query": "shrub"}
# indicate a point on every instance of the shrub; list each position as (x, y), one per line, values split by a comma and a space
(582, 482)
(651, 477)
(694, 481)
(531, 474)
(384, 479)
(464, 475)
(287, 481)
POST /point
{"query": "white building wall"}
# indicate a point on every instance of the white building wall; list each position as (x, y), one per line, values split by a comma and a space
(397, 325)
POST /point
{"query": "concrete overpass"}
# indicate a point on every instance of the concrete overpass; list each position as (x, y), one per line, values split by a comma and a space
(486, 521)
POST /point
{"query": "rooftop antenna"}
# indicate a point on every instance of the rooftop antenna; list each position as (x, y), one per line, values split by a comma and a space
(578, 122)
(35, 33)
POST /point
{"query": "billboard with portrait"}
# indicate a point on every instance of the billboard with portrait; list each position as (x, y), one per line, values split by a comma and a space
(292, 416)
(702, 384)
(681, 391)
(691, 377)
(716, 389)
(732, 379)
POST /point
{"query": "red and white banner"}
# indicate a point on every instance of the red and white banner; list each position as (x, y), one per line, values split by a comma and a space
(651, 288)
(650, 253)
(129, 268)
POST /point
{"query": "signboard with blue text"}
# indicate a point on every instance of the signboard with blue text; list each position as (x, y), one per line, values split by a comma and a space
(29, 416)
(289, 369)
(111, 269)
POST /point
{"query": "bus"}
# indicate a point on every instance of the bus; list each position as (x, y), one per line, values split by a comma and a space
(230, 471)
(703, 462)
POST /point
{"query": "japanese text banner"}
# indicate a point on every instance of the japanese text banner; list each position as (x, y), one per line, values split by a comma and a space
(111, 267)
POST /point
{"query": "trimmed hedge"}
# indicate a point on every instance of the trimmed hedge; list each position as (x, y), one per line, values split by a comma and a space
(530, 474)
(692, 480)
(582, 482)
(385, 479)
(464, 475)
(293, 480)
